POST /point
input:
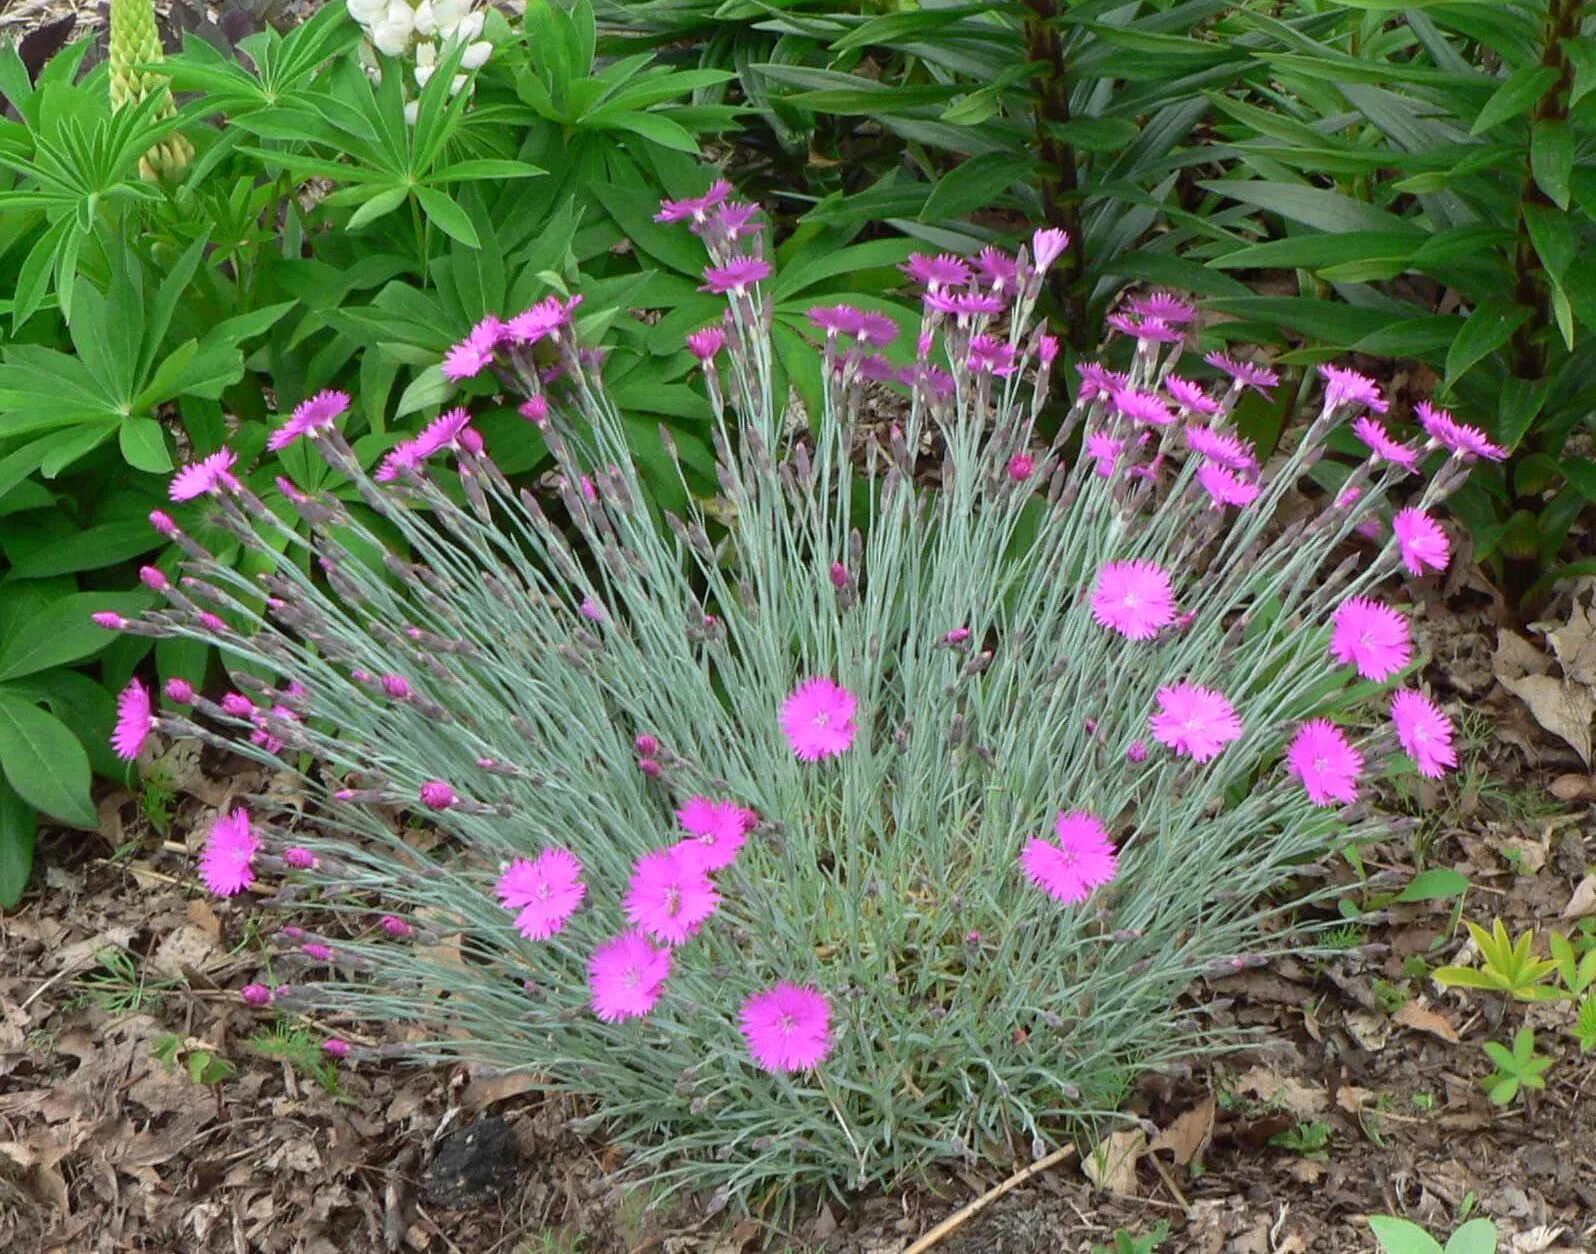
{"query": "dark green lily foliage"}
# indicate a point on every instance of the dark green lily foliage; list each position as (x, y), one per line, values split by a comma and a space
(1426, 175)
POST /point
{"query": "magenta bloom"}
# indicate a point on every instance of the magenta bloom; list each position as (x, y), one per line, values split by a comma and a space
(964, 304)
(1098, 380)
(1194, 721)
(1326, 763)
(179, 691)
(1021, 467)
(437, 795)
(336, 1048)
(541, 320)
(256, 994)
(990, 355)
(1143, 407)
(835, 320)
(736, 276)
(706, 343)
(1081, 862)
(1163, 306)
(1348, 387)
(818, 719)
(1227, 450)
(694, 208)
(788, 1027)
(134, 722)
(316, 413)
(875, 328)
(466, 360)
(535, 409)
(718, 830)
(211, 474)
(1226, 487)
(230, 849)
(1133, 598)
(1458, 438)
(402, 458)
(546, 890)
(1423, 543)
(1048, 245)
(627, 975)
(1105, 450)
(998, 269)
(1259, 378)
(670, 895)
(1190, 395)
(1424, 731)
(1382, 447)
(300, 858)
(1370, 636)
(935, 273)
(442, 432)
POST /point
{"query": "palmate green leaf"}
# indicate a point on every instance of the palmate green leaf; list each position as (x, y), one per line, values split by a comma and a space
(442, 211)
(43, 761)
(655, 127)
(485, 168)
(93, 548)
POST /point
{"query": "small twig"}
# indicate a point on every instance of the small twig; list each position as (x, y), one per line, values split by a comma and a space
(962, 1216)
(1169, 1181)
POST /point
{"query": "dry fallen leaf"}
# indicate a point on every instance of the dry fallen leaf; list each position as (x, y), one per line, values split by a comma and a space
(1583, 901)
(1112, 1163)
(1188, 1133)
(1564, 709)
(1300, 1099)
(1369, 1028)
(1564, 704)
(1574, 787)
(1422, 1019)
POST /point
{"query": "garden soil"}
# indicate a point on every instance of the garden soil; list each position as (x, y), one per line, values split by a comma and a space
(144, 1106)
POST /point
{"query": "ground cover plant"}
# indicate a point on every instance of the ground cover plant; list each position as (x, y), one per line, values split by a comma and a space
(873, 812)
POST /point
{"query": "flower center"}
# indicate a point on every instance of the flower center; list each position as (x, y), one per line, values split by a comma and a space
(673, 900)
(786, 1023)
(822, 719)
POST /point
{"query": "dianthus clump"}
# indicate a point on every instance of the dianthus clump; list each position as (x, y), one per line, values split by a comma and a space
(878, 807)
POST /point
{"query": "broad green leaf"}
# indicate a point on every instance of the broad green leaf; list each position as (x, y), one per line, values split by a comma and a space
(1581, 473)
(805, 271)
(19, 826)
(1436, 884)
(90, 549)
(975, 184)
(1552, 158)
(1401, 1236)
(485, 168)
(427, 389)
(1515, 97)
(62, 632)
(44, 762)
(1554, 236)
(1478, 1236)
(144, 445)
(1489, 327)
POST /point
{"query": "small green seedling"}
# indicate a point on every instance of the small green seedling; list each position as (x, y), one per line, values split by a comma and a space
(1309, 1139)
(1125, 1243)
(1520, 1067)
(1399, 1236)
(204, 1065)
(1508, 966)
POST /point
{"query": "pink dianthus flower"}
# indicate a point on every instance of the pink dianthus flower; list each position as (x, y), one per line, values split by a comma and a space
(787, 1027)
(1422, 540)
(717, 830)
(545, 890)
(1370, 636)
(736, 276)
(1133, 598)
(230, 849)
(1226, 487)
(818, 719)
(627, 976)
(210, 474)
(1424, 731)
(1082, 860)
(670, 895)
(1194, 721)
(315, 413)
(1326, 762)
(134, 721)
(1382, 447)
